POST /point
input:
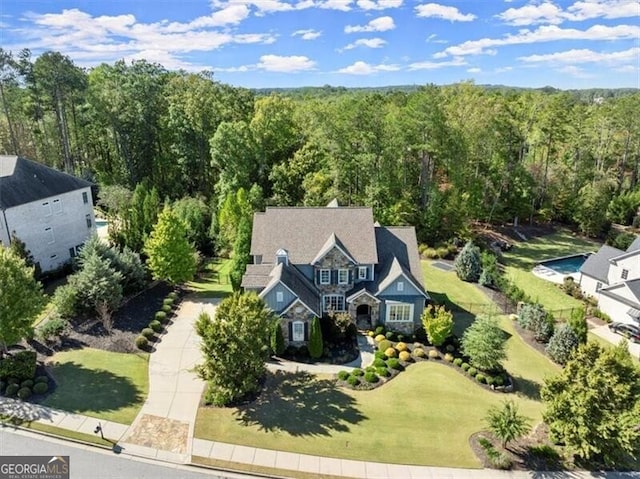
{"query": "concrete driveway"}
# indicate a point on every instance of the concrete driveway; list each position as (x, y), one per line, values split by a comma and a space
(614, 338)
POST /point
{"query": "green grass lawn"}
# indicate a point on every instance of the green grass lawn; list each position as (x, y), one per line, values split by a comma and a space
(521, 259)
(102, 384)
(214, 279)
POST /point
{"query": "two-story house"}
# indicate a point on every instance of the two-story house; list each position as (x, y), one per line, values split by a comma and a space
(51, 211)
(612, 276)
(314, 261)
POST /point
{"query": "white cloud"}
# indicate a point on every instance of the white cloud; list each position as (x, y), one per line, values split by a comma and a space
(474, 70)
(363, 68)
(291, 64)
(548, 12)
(378, 4)
(455, 62)
(307, 34)
(586, 56)
(575, 71)
(433, 38)
(381, 24)
(366, 42)
(342, 5)
(628, 69)
(546, 33)
(444, 12)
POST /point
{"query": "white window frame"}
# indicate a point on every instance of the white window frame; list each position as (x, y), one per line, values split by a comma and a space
(279, 297)
(47, 206)
(363, 272)
(624, 274)
(339, 298)
(400, 285)
(85, 198)
(57, 206)
(52, 237)
(405, 308)
(328, 273)
(342, 272)
(297, 335)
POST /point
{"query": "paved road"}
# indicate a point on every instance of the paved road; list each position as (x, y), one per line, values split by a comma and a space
(96, 463)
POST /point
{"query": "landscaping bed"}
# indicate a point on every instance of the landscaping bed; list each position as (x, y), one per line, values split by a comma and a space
(133, 316)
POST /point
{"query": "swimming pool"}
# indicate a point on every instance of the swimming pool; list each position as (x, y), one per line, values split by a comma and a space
(567, 264)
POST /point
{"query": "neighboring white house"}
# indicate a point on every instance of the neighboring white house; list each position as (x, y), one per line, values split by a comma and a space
(51, 211)
(612, 276)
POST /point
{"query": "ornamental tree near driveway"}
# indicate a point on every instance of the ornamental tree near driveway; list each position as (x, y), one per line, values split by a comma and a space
(171, 256)
(235, 345)
(21, 299)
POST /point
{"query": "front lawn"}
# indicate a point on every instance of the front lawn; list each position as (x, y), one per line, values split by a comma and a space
(520, 260)
(102, 384)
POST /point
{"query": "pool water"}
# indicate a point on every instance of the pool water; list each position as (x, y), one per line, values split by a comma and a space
(567, 265)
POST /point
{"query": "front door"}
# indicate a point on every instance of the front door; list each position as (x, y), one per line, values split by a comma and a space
(363, 316)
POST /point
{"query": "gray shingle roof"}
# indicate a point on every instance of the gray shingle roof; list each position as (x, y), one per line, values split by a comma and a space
(256, 276)
(297, 283)
(332, 242)
(635, 246)
(304, 231)
(634, 286)
(23, 181)
(597, 265)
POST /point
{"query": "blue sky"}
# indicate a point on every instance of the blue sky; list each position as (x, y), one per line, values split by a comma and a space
(288, 43)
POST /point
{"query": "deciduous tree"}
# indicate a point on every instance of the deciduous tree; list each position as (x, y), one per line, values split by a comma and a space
(21, 299)
(235, 345)
(438, 324)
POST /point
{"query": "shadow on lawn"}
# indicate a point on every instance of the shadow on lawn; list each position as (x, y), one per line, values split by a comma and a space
(302, 405)
(527, 387)
(85, 391)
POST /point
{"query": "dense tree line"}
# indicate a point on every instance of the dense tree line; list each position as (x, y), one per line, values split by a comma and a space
(435, 157)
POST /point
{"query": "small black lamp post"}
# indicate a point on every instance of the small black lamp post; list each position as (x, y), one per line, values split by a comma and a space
(98, 429)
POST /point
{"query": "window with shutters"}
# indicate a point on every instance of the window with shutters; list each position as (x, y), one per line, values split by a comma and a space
(343, 276)
(362, 272)
(325, 276)
(50, 236)
(85, 197)
(297, 331)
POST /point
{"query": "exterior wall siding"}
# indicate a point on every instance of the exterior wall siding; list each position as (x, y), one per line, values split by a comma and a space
(333, 261)
(4, 234)
(271, 297)
(588, 285)
(615, 309)
(392, 289)
(404, 327)
(68, 225)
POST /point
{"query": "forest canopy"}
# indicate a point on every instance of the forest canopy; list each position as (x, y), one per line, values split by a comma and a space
(436, 157)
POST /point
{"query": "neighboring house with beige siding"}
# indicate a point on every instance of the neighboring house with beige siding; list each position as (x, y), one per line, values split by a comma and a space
(311, 262)
(51, 211)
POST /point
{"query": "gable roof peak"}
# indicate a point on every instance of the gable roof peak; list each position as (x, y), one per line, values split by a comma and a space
(333, 242)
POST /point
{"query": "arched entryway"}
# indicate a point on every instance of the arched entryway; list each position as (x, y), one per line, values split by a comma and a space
(363, 316)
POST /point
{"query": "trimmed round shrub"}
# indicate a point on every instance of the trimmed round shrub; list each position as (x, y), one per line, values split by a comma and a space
(167, 301)
(448, 357)
(457, 362)
(405, 356)
(40, 388)
(383, 372)
(390, 352)
(380, 355)
(27, 383)
(370, 369)
(379, 337)
(357, 372)
(353, 380)
(166, 308)
(371, 334)
(433, 354)
(401, 347)
(13, 380)
(24, 393)
(42, 379)
(343, 375)
(468, 264)
(384, 345)
(379, 331)
(390, 335)
(419, 353)
(173, 295)
(379, 363)
(394, 363)
(142, 342)
(481, 378)
(465, 366)
(156, 326)
(147, 333)
(562, 344)
(450, 348)
(499, 381)
(371, 377)
(161, 316)
(472, 372)
(11, 390)
(490, 380)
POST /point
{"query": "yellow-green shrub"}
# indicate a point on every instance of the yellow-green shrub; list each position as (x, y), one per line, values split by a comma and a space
(379, 338)
(419, 353)
(390, 352)
(401, 347)
(405, 356)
